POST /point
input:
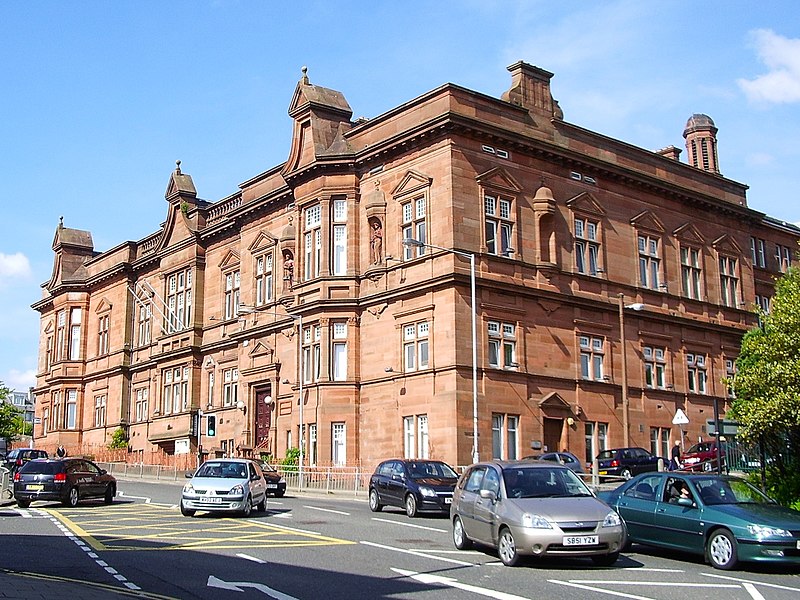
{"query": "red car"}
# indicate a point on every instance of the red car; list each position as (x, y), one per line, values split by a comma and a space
(703, 456)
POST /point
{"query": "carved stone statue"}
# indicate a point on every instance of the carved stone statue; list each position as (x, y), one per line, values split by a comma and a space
(288, 270)
(376, 242)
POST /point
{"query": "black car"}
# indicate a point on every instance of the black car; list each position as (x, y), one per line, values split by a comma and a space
(65, 479)
(416, 485)
(19, 456)
(276, 483)
(626, 462)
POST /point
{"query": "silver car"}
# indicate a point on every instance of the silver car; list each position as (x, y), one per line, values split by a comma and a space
(533, 508)
(225, 485)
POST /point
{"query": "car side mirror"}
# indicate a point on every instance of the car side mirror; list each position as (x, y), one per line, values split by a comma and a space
(188, 475)
(489, 495)
(103, 471)
(685, 502)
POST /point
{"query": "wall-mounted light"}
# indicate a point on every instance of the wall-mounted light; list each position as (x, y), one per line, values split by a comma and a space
(285, 382)
(389, 369)
(570, 421)
(241, 406)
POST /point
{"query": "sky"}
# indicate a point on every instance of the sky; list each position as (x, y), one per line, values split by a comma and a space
(99, 99)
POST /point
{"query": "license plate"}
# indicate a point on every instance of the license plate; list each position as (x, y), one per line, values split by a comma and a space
(211, 499)
(272, 486)
(448, 500)
(603, 472)
(34, 487)
(580, 540)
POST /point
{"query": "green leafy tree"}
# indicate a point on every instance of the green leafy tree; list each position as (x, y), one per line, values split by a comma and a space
(767, 386)
(118, 439)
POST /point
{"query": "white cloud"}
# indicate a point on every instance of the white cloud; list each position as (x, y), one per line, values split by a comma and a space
(14, 265)
(20, 381)
(782, 56)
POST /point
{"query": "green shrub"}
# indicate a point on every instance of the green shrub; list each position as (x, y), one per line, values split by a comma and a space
(292, 458)
(118, 439)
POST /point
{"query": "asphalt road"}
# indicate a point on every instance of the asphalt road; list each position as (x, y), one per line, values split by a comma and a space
(310, 547)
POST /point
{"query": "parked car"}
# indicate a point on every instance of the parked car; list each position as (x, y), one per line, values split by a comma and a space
(416, 485)
(276, 483)
(67, 480)
(626, 462)
(17, 457)
(533, 508)
(703, 456)
(722, 517)
(225, 485)
(567, 459)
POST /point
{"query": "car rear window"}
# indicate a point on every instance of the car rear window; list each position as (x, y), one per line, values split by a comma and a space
(41, 468)
(606, 454)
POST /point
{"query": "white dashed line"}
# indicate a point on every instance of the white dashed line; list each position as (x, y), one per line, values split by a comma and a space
(338, 512)
(421, 554)
(252, 558)
(409, 525)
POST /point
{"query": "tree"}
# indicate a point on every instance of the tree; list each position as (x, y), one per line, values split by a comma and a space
(767, 388)
(118, 439)
(11, 418)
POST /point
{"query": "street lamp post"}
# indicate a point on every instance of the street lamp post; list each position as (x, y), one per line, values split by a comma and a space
(625, 403)
(409, 242)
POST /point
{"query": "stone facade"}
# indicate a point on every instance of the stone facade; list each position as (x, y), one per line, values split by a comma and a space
(298, 287)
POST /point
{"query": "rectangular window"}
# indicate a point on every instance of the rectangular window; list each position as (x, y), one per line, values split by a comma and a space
(409, 439)
(100, 410)
(659, 442)
(102, 335)
(696, 373)
(175, 391)
(415, 436)
(339, 352)
(211, 389)
(655, 367)
(312, 359)
(48, 357)
(74, 334)
(728, 281)
(141, 410)
(763, 303)
(415, 346)
(61, 335)
(649, 262)
(312, 444)
(230, 387)
(72, 409)
(587, 246)
(730, 373)
(179, 301)
(505, 436)
(758, 251)
(592, 349)
(55, 402)
(232, 285)
(783, 257)
(498, 225)
(264, 279)
(422, 436)
(143, 337)
(502, 345)
(338, 444)
(339, 238)
(690, 272)
(414, 227)
(312, 241)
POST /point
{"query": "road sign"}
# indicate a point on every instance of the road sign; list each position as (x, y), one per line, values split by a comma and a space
(680, 418)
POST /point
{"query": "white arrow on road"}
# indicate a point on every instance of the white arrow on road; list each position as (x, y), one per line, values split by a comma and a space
(237, 586)
(428, 578)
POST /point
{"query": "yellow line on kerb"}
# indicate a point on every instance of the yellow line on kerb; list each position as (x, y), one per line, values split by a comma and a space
(100, 586)
(77, 529)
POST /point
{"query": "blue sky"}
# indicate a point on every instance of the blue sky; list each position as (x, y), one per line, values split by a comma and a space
(100, 98)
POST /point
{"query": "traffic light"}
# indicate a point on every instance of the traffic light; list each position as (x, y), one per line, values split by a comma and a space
(211, 425)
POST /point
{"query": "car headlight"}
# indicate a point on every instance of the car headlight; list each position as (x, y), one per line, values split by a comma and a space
(427, 492)
(237, 490)
(535, 522)
(188, 489)
(612, 520)
(764, 531)
(282, 480)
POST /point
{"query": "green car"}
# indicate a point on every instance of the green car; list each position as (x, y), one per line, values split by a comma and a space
(721, 517)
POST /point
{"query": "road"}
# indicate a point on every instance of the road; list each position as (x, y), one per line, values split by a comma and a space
(309, 547)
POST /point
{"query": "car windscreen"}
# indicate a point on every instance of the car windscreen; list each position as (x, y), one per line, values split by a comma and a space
(729, 490)
(35, 467)
(431, 469)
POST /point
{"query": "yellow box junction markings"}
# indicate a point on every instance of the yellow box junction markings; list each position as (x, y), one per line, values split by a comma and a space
(148, 527)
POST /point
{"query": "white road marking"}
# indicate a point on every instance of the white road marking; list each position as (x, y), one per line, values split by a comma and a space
(298, 530)
(338, 512)
(450, 582)
(743, 581)
(124, 495)
(420, 554)
(237, 586)
(751, 589)
(463, 552)
(253, 558)
(657, 583)
(409, 525)
(601, 590)
(652, 570)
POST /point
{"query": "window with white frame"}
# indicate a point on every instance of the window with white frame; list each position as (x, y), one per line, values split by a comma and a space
(728, 281)
(312, 356)
(75, 333)
(592, 350)
(655, 367)
(339, 352)
(696, 373)
(783, 257)
(587, 246)
(338, 444)
(690, 272)
(763, 303)
(211, 380)
(175, 396)
(230, 386)
(415, 346)
(71, 409)
(100, 410)
(312, 241)
(140, 406)
(758, 250)
(61, 335)
(48, 357)
(312, 444)
(232, 285)
(45, 421)
(415, 436)
(498, 221)
(659, 442)
(339, 238)
(730, 373)
(502, 345)
(143, 319)
(179, 300)
(505, 436)
(102, 335)
(55, 416)
(414, 226)
(595, 437)
(649, 262)
(264, 279)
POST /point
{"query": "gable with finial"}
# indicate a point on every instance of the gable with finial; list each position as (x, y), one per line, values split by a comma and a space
(103, 306)
(262, 349)
(229, 260)
(689, 233)
(646, 220)
(264, 241)
(412, 182)
(180, 185)
(500, 179)
(586, 203)
(725, 244)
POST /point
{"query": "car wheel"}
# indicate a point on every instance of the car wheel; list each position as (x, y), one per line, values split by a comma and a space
(247, 508)
(721, 550)
(507, 548)
(108, 498)
(280, 493)
(374, 501)
(605, 560)
(460, 539)
(411, 506)
(23, 503)
(186, 512)
(626, 473)
(72, 497)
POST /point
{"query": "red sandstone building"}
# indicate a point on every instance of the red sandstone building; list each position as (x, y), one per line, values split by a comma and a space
(298, 287)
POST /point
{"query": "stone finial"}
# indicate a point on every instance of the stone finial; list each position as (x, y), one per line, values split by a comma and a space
(178, 167)
(61, 221)
(304, 69)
